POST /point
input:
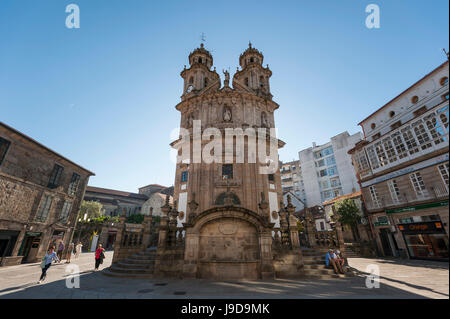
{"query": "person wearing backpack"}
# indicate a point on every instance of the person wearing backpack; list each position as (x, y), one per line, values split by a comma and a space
(99, 256)
(47, 262)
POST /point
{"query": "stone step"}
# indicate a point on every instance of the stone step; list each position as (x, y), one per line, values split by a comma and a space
(139, 257)
(314, 262)
(146, 253)
(139, 261)
(314, 266)
(124, 264)
(116, 268)
(319, 271)
(325, 276)
(109, 273)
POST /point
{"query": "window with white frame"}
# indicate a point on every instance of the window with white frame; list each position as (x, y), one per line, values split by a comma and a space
(394, 191)
(361, 161)
(374, 196)
(435, 128)
(390, 152)
(443, 170)
(410, 141)
(373, 157)
(382, 159)
(443, 116)
(418, 184)
(399, 145)
(422, 135)
(44, 208)
(65, 212)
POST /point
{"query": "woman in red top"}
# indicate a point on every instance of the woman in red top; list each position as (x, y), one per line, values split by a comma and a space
(99, 255)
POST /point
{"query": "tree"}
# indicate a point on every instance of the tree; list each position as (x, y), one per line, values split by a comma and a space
(348, 214)
(91, 208)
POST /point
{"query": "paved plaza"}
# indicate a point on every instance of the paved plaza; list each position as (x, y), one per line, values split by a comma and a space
(398, 279)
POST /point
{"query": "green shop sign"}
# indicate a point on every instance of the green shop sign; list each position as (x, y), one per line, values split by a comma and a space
(417, 207)
(382, 223)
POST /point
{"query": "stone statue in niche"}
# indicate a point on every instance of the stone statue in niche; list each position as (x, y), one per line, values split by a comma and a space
(190, 120)
(264, 122)
(226, 114)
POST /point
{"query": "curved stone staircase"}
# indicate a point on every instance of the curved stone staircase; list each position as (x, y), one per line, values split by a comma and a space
(314, 265)
(139, 265)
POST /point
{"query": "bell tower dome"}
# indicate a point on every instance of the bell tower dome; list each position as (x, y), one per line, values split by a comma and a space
(199, 77)
(253, 77)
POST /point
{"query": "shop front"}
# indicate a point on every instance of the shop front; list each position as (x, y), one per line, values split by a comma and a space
(425, 240)
(30, 246)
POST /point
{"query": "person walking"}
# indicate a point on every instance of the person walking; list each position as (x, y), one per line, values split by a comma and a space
(78, 249)
(99, 256)
(70, 252)
(47, 262)
(60, 251)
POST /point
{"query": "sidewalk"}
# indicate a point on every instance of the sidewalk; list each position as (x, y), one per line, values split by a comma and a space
(20, 282)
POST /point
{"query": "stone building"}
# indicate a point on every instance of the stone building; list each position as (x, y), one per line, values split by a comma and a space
(40, 195)
(403, 169)
(114, 202)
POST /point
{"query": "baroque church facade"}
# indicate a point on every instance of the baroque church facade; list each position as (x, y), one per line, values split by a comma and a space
(229, 215)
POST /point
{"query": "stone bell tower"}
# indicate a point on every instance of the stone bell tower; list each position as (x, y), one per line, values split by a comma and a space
(226, 210)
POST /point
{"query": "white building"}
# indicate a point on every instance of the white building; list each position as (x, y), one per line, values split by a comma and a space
(292, 180)
(327, 170)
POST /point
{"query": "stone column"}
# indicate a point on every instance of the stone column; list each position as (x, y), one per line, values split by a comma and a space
(267, 268)
(119, 237)
(146, 229)
(18, 243)
(192, 242)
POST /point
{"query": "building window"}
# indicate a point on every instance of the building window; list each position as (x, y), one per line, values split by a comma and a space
(374, 196)
(372, 126)
(394, 191)
(332, 171)
(227, 171)
(411, 142)
(422, 135)
(44, 208)
(206, 82)
(445, 97)
(390, 151)
(443, 116)
(320, 163)
(391, 114)
(200, 60)
(444, 81)
(382, 159)
(415, 99)
(4, 145)
(335, 182)
(435, 128)
(65, 212)
(73, 186)
(191, 80)
(184, 176)
(55, 177)
(246, 81)
(271, 177)
(443, 170)
(373, 157)
(331, 160)
(399, 145)
(418, 185)
(323, 173)
(322, 226)
(361, 161)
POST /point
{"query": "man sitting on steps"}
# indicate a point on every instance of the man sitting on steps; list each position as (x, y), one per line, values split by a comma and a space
(331, 259)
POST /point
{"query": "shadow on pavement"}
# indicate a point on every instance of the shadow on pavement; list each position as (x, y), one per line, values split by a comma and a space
(95, 285)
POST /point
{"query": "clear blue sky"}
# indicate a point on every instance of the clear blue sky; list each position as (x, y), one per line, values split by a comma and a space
(104, 95)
